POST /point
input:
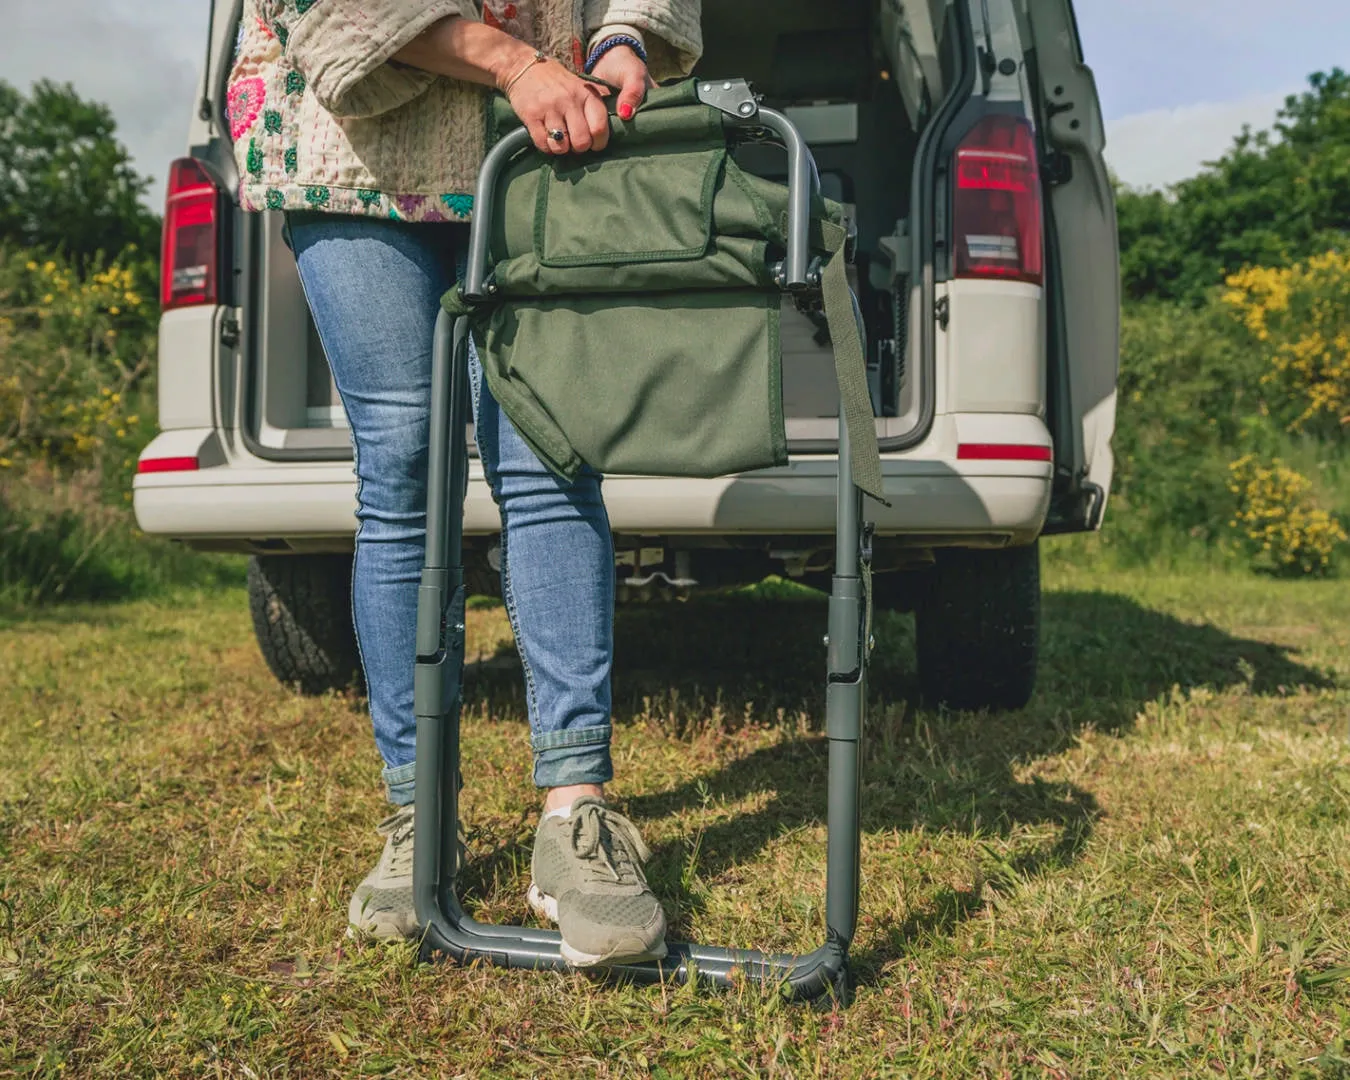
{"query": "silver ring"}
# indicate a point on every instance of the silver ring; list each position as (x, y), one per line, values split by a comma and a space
(557, 134)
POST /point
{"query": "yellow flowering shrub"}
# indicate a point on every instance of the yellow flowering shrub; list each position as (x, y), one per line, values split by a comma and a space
(76, 361)
(1277, 522)
(1301, 314)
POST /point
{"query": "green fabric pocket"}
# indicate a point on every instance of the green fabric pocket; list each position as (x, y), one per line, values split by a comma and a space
(627, 208)
(628, 380)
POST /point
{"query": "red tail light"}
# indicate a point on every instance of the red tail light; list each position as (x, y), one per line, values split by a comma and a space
(997, 219)
(191, 251)
(167, 464)
(1003, 452)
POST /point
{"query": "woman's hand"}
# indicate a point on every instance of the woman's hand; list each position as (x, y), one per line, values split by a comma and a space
(546, 96)
(549, 98)
(559, 101)
(622, 67)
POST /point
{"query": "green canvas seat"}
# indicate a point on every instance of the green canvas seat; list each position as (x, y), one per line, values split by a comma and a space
(633, 322)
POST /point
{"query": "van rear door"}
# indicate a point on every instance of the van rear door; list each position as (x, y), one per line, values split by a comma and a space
(277, 398)
(1083, 272)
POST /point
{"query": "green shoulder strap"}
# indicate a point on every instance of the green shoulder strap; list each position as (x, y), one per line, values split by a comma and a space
(850, 366)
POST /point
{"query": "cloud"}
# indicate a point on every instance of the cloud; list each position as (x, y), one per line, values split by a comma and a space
(139, 57)
(1160, 147)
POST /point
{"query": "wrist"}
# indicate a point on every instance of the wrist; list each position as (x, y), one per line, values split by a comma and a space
(610, 30)
(612, 43)
(509, 58)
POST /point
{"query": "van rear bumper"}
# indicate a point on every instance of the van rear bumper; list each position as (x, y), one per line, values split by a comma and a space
(248, 504)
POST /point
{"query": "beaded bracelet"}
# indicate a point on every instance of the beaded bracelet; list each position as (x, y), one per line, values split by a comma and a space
(612, 43)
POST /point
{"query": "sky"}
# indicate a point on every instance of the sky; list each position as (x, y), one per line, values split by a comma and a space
(1178, 78)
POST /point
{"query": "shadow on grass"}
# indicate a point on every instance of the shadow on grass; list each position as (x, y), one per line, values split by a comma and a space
(1103, 657)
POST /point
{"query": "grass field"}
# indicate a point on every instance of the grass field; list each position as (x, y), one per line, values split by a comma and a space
(1147, 873)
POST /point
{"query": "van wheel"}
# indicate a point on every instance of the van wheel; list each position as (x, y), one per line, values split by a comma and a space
(302, 616)
(977, 628)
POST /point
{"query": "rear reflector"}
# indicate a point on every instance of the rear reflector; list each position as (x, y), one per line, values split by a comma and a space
(167, 464)
(997, 213)
(191, 249)
(1003, 452)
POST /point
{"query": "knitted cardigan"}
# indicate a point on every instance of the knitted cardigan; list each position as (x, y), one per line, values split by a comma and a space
(322, 119)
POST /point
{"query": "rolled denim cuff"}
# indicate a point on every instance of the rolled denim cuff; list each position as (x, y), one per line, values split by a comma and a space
(577, 756)
(398, 782)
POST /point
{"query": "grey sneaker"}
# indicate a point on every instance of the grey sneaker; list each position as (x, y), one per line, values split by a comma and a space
(587, 878)
(382, 905)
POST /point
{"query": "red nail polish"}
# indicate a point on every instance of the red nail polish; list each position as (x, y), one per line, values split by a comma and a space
(626, 111)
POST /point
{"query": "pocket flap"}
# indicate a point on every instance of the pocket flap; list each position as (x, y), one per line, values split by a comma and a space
(651, 207)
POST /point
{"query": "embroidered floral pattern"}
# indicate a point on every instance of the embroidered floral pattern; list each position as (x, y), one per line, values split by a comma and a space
(459, 205)
(270, 107)
(509, 17)
(410, 207)
(242, 105)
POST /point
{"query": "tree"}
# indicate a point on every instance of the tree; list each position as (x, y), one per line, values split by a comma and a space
(66, 182)
(1274, 198)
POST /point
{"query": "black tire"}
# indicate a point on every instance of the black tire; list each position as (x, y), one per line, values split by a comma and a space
(897, 590)
(479, 577)
(978, 628)
(302, 616)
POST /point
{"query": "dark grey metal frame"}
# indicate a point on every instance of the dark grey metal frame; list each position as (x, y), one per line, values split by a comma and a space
(449, 932)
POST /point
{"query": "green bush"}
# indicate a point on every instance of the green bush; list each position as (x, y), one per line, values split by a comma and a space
(77, 356)
(1274, 198)
(60, 541)
(1196, 397)
(1277, 522)
(1189, 388)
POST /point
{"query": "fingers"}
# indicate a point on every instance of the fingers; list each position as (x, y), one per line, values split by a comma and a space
(633, 91)
(553, 124)
(551, 99)
(597, 121)
(579, 129)
(538, 130)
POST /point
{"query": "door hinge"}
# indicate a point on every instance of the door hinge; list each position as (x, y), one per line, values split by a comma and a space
(229, 331)
(1057, 169)
(943, 310)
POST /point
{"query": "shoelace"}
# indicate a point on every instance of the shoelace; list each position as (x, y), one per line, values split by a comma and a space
(621, 855)
(399, 828)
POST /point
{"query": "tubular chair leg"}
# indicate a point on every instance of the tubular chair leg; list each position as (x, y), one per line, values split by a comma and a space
(448, 931)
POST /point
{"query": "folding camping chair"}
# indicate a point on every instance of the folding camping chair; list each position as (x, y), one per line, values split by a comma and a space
(449, 932)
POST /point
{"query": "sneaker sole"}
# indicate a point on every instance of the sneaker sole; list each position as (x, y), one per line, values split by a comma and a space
(546, 907)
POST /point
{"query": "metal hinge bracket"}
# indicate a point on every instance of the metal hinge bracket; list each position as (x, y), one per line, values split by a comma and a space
(732, 96)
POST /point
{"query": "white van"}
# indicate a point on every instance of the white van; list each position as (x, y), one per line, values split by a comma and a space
(966, 135)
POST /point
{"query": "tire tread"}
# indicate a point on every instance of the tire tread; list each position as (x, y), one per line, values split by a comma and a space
(977, 629)
(301, 610)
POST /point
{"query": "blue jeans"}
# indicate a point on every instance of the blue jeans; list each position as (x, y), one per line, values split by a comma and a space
(374, 288)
